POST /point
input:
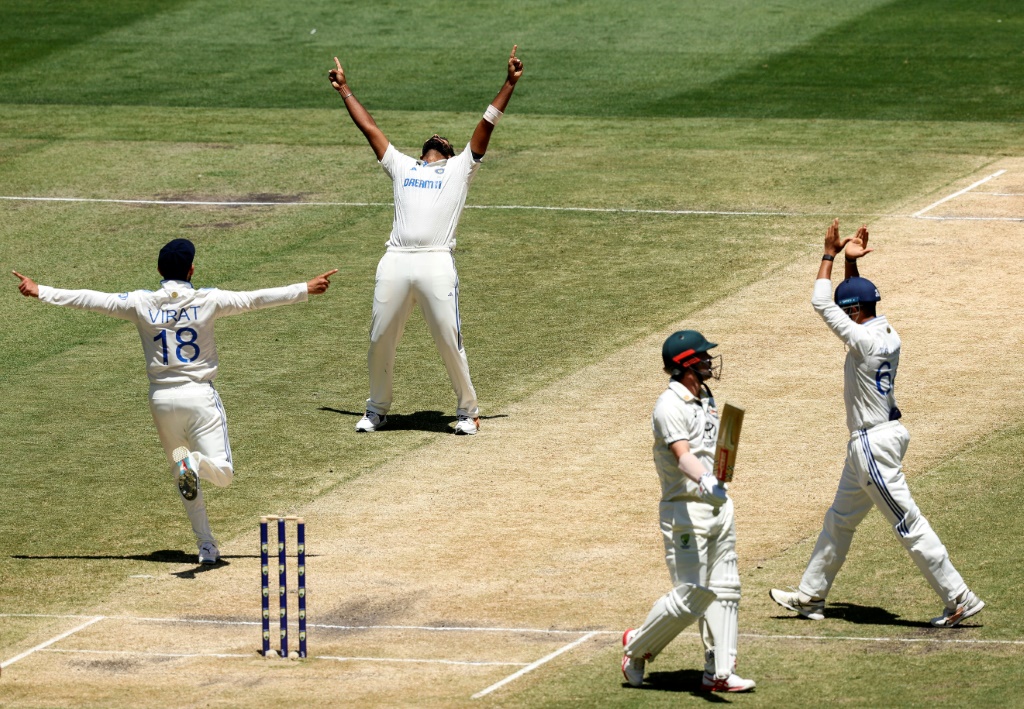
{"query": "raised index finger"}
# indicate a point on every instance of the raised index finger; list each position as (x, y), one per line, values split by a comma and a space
(19, 275)
(514, 48)
(338, 64)
(329, 273)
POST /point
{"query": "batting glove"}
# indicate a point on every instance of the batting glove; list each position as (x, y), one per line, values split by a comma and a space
(711, 491)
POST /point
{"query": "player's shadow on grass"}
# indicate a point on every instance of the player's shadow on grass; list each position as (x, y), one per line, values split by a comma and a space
(680, 681)
(163, 556)
(862, 615)
(431, 421)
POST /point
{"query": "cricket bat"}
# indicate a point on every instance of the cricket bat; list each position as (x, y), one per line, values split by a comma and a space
(729, 425)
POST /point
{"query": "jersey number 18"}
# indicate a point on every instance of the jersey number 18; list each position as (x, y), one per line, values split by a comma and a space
(182, 343)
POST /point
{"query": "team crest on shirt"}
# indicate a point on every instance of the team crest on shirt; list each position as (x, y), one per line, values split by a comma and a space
(439, 171)
(122, 296)
(684, 541)
(710, 432)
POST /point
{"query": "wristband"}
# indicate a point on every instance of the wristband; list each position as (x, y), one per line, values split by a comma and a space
(492, 115)
(826, 257)
(850, 260)
(348, 95)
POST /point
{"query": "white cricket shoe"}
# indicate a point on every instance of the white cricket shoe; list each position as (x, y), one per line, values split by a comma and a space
(370, 421)
(734, 683)
(208, 553)
(632, 667)
(188, 472)
(467, 426)
(967, 605)
(808, 607)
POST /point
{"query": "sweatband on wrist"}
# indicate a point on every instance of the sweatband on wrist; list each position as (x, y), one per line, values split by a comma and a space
(492, 115)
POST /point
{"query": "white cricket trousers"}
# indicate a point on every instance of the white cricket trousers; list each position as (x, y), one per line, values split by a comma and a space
(873, 476)
(700, 549)
(406, 277)
(192, 415)
(697, 540)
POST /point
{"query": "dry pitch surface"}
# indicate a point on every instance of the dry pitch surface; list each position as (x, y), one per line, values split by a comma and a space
(471, 559)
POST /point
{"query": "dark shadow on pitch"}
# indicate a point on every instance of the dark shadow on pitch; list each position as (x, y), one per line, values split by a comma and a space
(163, 556)
(200, 569)
(679, 681)
(430, 421)
(870, 615)
(859, 615)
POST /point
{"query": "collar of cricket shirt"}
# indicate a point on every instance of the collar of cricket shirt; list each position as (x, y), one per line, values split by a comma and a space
(681, 391)
(173, 282)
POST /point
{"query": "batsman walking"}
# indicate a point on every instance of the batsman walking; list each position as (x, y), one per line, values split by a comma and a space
(419, 265)
(697, 523)
(873, 472)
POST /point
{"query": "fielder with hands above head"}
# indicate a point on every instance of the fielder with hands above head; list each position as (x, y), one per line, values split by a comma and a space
(873, 472)
(175, 324)
(419, 265)
(696, 523)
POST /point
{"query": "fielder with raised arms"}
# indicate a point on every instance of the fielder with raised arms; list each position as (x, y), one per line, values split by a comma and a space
(175, 325)
(696, 523)
(873, 472)
(419, 265)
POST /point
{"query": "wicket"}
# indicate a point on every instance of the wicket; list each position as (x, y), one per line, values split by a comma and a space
(282, 580)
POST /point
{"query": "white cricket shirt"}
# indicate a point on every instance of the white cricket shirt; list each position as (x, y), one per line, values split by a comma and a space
(872, 358)
(428, 198)
(176, 322)
(679, 415)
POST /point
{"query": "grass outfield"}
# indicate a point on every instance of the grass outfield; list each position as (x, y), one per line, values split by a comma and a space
(799, 113)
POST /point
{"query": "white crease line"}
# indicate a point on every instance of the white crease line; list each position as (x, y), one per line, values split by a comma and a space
(197, 621)
(936, 641)
(1002, 194)
(153, 654)
(957, 194)
(51, 641)
(974, 219)
(42, 615)
(325, 626)
(600, 210)
(541, 631)
(531, 207)
(198, 202)
(456, 629)
(434, 662)
(145, 653)
(533, 665)
(627, 210)
(434, 628)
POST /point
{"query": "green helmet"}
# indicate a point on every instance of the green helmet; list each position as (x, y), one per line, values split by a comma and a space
(681, 352)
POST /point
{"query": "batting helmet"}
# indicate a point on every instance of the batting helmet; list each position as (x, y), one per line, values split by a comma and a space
(682, 350)
(854, 291)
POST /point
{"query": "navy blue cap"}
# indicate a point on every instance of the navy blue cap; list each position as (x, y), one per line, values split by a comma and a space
(176, 259)
(857, 290)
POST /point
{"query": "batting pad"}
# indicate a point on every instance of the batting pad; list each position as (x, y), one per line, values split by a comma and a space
(671, 614)
(720, 629)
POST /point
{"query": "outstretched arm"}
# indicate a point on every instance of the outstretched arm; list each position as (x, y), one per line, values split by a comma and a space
(118, 305)
(482, 134)
(855, 249)
(360, 116)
